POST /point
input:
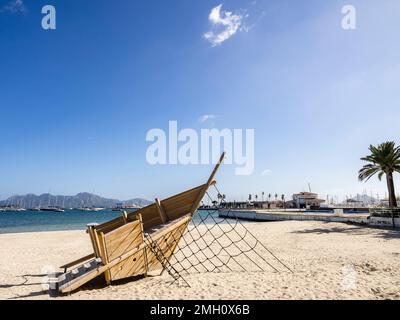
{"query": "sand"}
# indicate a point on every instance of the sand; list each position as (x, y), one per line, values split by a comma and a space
(329, 261)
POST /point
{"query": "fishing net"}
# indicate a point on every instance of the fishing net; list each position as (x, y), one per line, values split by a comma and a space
(212, 243)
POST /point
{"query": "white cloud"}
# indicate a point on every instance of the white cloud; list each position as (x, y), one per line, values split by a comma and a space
(206, 117)
(266, 172)
(14, 7)
(224, 25)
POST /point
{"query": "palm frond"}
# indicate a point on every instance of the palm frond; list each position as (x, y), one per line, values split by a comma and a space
(383, 159)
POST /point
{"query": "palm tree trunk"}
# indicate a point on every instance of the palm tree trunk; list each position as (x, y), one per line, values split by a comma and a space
(392, 194)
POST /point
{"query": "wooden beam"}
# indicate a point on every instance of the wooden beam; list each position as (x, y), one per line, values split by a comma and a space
(78, 261)
(161, 211)
(211, 178)
(95, 241)
(146, 267)
(125, 216)
(176, 244)
(210, 182)
(104, 257)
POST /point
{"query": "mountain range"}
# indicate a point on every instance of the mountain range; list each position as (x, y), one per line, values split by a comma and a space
(83, 199)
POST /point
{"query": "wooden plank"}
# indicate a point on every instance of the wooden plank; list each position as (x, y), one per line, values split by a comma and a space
(65, 279)
(210, 182)
(167, 244)
(179, 212)
(161, 211)
(104, 256)
(175, 245)
(110, 225)
(175, 207)
(171, 203)
(183, 194)
(74, 263)
(132, 266)
(146, 212)
(94, 240)
(125, 216)
(151, 223)
(139, 216)
(123, 239)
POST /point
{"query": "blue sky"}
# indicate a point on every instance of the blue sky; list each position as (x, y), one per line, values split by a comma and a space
(76, 102)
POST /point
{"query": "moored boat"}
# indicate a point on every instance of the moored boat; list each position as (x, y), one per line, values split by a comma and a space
(52, 209)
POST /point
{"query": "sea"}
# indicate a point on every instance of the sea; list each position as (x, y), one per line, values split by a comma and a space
(35, 221)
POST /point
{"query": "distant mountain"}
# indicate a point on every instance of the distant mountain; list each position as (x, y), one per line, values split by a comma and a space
(83, 199)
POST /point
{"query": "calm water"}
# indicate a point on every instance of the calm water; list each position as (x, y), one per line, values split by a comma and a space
(30, 221)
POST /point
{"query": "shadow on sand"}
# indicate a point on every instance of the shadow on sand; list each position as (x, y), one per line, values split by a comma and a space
(95, 284)
(358, 230)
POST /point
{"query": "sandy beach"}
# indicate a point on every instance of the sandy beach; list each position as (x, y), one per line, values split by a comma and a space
(329, 261)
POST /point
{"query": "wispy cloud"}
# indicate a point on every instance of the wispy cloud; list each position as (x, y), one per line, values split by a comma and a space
(224, 24)
(266, 172)
(14, 6)
(206, 117)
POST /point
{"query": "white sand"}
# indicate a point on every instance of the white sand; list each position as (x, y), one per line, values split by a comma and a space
(329, 260)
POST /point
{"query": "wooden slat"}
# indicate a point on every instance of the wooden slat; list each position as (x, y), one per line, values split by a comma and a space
(139, 216)
(182, 198)
(161, 211)
(125, 216)
(146, 212)
(167, 243)
(177, 205)
(66, 279)
(175, 245)
(132, 266)
(110, 225)
(179, 212)
(123, 239)
(104, 255)
(94, 240)
(210, 182)
(183, 194)
(78, 261)
(176, 208)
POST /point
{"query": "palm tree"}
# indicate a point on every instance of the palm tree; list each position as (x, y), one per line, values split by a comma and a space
(383, 160)
(283, 200)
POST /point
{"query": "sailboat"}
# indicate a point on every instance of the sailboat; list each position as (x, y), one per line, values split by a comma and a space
(52, 208)
(136, 243)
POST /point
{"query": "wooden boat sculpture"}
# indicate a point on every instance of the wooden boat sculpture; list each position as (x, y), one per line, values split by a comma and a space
(136, 243)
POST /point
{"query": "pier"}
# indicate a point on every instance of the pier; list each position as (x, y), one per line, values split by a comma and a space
(301, 215)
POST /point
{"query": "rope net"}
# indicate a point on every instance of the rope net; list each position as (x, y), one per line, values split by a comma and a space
(212, 243)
